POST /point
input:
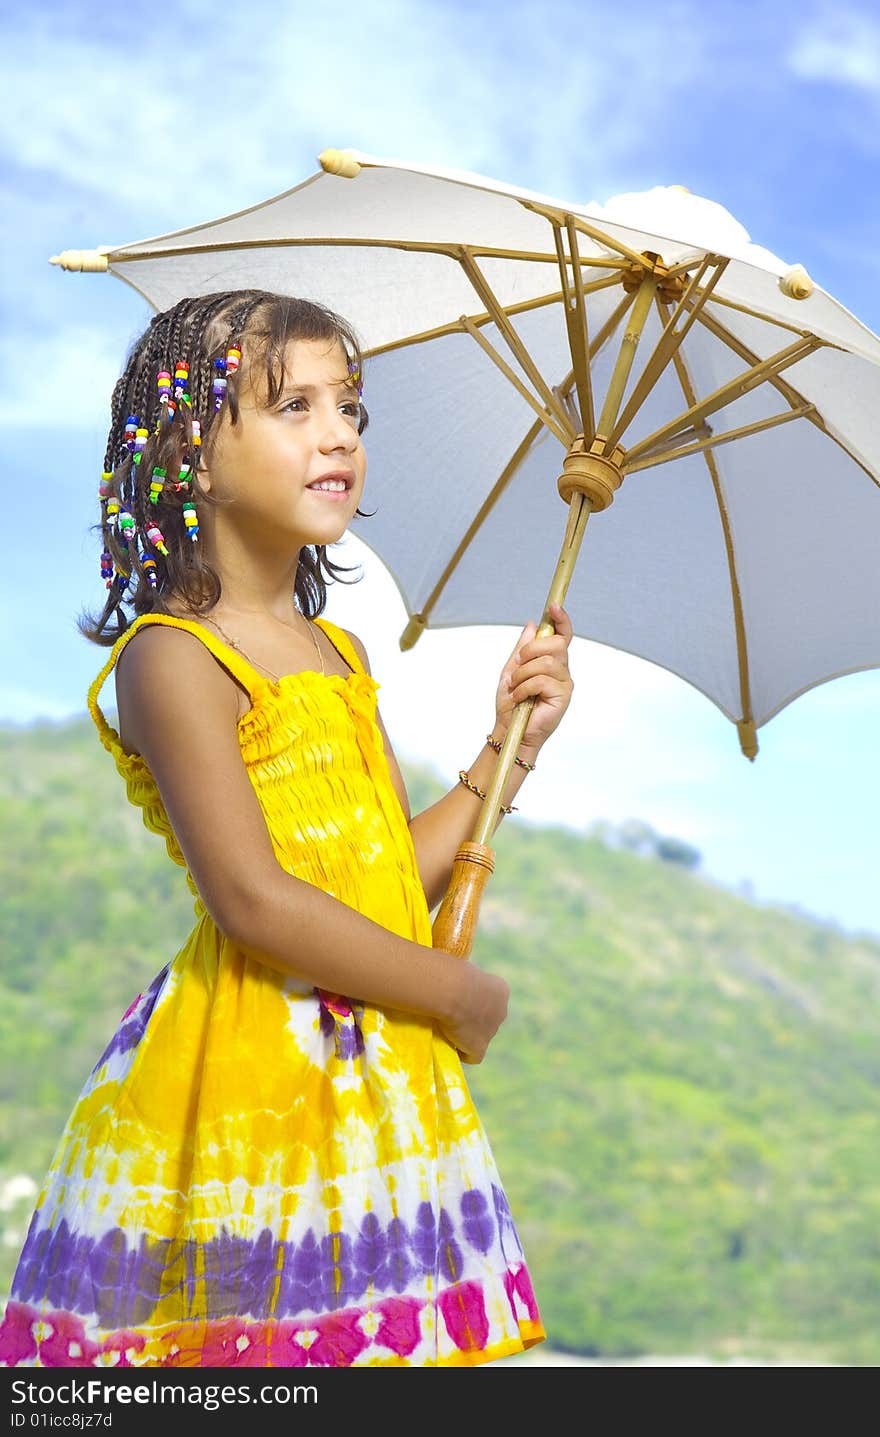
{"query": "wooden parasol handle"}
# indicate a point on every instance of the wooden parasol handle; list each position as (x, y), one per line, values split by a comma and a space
(456, 922)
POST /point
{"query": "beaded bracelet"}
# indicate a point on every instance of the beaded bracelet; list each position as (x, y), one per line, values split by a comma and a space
(523, 763)
(464, 777)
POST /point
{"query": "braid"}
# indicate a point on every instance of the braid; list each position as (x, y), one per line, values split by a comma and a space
(202, 388)
(114, 438)
(195, 330)
(142, 399)
(175, 353)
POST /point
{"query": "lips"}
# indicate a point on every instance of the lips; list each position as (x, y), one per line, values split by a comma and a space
(337, 475)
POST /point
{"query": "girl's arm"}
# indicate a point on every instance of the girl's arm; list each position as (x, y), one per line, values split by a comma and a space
(439, 831)
(181, 714)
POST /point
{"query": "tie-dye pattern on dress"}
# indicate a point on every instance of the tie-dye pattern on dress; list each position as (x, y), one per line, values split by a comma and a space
(257, 1173)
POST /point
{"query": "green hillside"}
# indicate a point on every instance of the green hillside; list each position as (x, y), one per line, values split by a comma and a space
(683, 1102)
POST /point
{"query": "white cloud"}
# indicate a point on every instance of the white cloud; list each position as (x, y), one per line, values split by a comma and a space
(842, 47)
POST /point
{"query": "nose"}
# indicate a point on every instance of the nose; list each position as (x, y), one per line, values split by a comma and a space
(337, 432)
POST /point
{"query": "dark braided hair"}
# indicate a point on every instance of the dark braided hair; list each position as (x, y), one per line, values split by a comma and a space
(199, 331)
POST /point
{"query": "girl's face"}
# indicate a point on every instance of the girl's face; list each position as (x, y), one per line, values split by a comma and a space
(264, 464)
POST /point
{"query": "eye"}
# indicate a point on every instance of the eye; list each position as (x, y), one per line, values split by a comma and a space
(291, 402)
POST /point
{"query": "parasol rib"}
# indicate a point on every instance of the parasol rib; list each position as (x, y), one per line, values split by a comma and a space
(450, 250)
(566, 398)
(576, 324)
(745, 726)
(792, 395)
(418, 621)
(556, 216)
(530, 368)
(663, 456)
(670, 340)
(455, 327)
(733, 389)
(564, 433)
(684, 266)
(755, 314)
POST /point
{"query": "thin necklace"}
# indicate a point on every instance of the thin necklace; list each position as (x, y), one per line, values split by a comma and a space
(234, 644)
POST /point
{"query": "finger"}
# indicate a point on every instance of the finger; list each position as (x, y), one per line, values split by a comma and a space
(552, 663)
(561, 635)
(561, 620)
(551, 646)
(541, 686)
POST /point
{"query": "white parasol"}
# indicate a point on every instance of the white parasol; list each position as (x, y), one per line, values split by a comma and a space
(732, 472)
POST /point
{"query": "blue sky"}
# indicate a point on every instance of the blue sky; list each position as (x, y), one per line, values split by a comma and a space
(122, 126)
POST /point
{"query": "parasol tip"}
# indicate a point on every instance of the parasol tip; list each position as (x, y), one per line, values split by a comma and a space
(93, 261)
(796, 283)
(339, 162)
(748, 738)
(413, 631)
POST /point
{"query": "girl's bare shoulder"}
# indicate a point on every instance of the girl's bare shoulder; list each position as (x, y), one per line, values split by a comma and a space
(164, 669)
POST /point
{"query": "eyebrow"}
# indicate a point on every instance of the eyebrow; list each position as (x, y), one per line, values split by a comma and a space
(344, 385)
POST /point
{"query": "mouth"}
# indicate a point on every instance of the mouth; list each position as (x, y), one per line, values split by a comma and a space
(339, 482)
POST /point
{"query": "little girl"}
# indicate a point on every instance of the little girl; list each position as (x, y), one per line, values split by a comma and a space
(276, 1161)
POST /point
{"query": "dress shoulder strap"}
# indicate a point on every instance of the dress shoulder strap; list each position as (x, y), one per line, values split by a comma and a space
(342, 643)
(240, 669)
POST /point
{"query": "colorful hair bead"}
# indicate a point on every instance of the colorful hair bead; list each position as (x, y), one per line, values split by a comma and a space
(126, 526)
(148, 564)
(131, 425)
(184, 479)
(233, 358)
(190, 519)
(112, 511)
(157, 484)
(156, 538)
(104, 488)
(107, 567)
(219, 386)
(121, 580)
(181, 378)
(197, 433)
(355, 375)
(163, 384)
(140, 440)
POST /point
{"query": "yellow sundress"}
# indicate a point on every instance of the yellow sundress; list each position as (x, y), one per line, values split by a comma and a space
(258, 1173)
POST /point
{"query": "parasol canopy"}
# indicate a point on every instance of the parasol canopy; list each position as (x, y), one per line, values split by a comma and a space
(748, 565)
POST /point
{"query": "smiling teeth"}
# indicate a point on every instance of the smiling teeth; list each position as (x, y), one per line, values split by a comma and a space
(336, 484)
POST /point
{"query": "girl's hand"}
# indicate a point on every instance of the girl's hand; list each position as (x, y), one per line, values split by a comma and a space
(480, 1009)
(537, 666)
